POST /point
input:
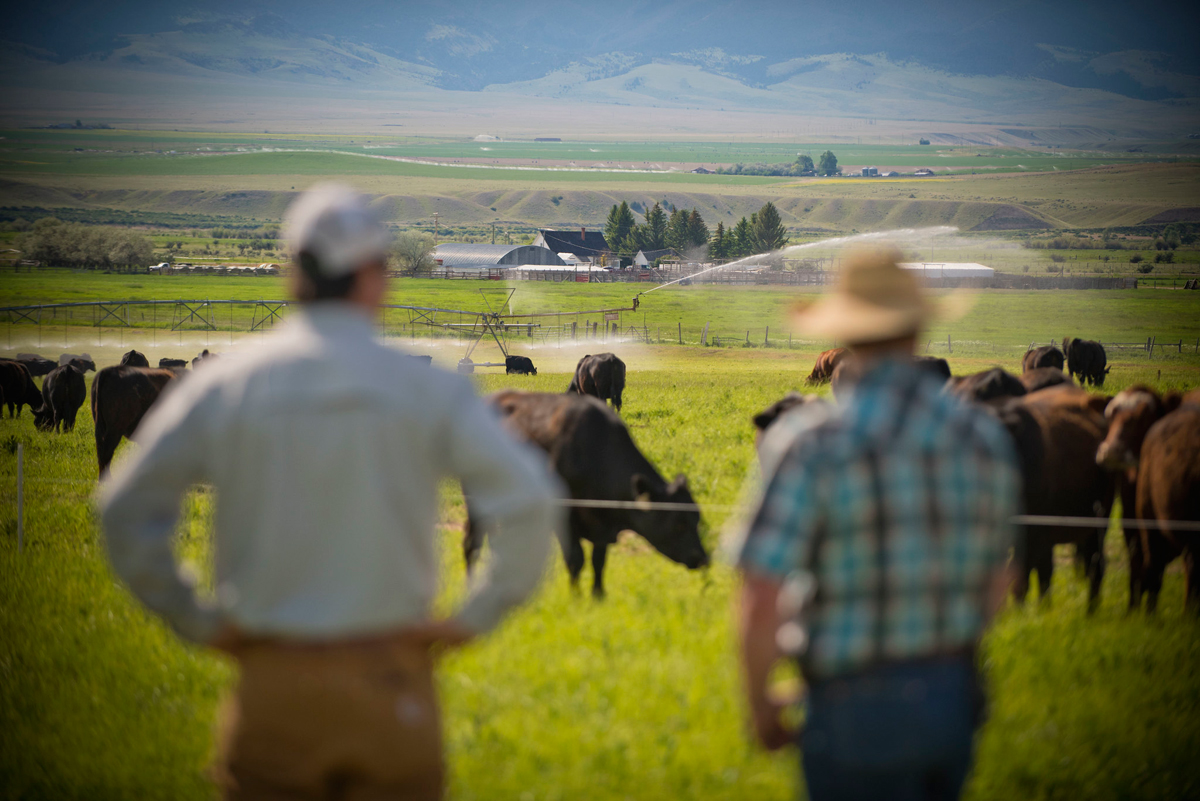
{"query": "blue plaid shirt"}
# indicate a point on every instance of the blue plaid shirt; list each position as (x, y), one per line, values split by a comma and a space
(900, 507)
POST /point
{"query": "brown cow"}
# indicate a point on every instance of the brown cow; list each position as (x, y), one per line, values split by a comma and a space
(1057, 432)
(19, 388)
(1130, 415)
(986, 386)
(591, 450)
(826, 363)
(1042, 377)
(1045, 356)
(121, 396)
(1168, 489)
(601, 376)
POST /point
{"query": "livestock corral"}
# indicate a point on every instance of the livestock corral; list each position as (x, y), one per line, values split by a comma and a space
(637, 696)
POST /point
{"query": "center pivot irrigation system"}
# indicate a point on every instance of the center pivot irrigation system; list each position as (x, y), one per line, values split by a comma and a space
(494, 321)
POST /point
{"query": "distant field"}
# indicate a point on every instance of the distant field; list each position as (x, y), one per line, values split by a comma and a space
(997, 330)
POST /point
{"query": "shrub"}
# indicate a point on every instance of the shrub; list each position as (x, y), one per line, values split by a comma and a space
(1145, 268)
(1025, 269)
(1057, 258)
(1165, 257)
(1135, 258)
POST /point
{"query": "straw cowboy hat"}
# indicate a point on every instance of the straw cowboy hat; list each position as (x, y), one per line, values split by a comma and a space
(875, 300)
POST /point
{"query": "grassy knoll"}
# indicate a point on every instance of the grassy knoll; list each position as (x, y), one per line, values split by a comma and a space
(633, 698)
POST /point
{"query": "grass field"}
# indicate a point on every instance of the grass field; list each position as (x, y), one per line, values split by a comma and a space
(633, 698)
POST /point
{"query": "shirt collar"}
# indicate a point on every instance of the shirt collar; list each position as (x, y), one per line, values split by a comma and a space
(335, 318)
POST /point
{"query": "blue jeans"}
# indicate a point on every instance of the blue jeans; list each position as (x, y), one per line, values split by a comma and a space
(897, 731)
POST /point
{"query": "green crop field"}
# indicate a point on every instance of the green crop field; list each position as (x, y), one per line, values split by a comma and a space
(636, 697)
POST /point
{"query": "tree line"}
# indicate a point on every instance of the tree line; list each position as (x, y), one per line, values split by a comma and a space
(66, 244)
(827, 164)
(685, 231)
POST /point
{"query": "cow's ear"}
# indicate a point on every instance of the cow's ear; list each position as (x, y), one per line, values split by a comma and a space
(1171, 402)
(641, 486)
(1099, 403)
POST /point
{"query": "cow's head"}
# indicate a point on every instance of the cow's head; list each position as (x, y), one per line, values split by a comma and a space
(1130, 415)
(43, 418)
(675, 533)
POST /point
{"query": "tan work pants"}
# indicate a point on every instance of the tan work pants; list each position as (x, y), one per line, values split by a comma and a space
(349, 720)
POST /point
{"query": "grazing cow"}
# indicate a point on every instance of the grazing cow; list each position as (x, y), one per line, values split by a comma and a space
(1130, 416)
(37, 365)
(1056, 432)
(826, 363)
(519, 365)
(1042, 377)
(934, 364)
(1168, 489)
(1045, 356)
(121, 396)
(1086, 359)
(134, 359)
(82, 358)
(172, 364)
(985, 386)
(601, 376)
(19, 388)
(204, 354)
(591, 450)
(64, 391)
(424, 359)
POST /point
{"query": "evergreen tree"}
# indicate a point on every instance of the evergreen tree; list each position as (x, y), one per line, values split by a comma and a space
(677, 231)
(718, 246)
(697, 230)
(741, 235)
(654, 232)
(769, 233)
(827, 165)
(620, 223)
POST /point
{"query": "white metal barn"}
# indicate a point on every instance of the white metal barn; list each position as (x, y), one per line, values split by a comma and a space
(936, 270)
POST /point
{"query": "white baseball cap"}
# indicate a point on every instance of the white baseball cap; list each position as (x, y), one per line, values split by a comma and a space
(334, 223)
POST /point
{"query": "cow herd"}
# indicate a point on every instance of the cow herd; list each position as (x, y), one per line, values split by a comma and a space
(1078, 452)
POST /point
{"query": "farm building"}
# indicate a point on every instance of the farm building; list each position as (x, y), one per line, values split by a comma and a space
(870, 172)
(469, 256)
(587, 245)
(936, 270)
(645, 258)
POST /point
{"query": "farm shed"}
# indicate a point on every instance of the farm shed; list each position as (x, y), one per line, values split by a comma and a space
(469, 256)
(586, 245)
(936, 270)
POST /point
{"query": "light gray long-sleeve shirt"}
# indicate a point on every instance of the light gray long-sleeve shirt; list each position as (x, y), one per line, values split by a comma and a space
(325, 449)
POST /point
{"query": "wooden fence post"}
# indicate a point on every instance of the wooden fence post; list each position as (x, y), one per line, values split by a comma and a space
(680, 327)
(20, 495)
(949, 344)
(767, 337)
(704, 335)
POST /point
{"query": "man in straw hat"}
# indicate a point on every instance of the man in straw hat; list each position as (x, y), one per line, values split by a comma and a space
(877, 555)
(325, 449)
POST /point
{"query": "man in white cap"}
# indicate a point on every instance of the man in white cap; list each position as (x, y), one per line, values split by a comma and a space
(894, 511)
(325, 449)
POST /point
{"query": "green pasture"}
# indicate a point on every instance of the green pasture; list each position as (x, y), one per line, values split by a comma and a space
(633, 698)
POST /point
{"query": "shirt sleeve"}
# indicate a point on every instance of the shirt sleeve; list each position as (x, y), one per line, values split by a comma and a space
(786, 519)
(139, 506)
(512, 496)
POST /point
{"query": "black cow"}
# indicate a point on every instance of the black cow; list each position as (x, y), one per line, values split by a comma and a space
(82, 358)
(172, 364)
(64, 391)
(987, 385)
(37, 365)
(1045, 356)
(19, 388)
(934, 364)
(204, 354)
(1086, 358)
(591, 450)
(121, 396)
(424, 359)
(134, 359)
(601, 376)
(519, 365)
